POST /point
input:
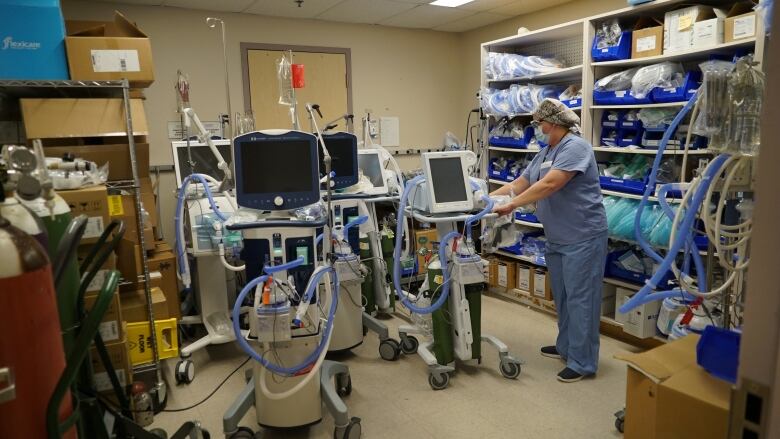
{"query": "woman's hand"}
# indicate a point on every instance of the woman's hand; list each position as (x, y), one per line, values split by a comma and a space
(504, 209)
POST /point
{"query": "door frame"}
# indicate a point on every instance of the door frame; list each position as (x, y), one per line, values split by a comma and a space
(246, 47)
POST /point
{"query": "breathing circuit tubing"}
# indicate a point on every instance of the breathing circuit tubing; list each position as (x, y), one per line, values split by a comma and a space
(416, 181)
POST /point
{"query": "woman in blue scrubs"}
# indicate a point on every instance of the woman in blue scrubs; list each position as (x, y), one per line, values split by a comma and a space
(563, 181)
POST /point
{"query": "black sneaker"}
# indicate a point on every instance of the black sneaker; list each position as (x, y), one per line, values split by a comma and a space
(569, 376)
(551, 352)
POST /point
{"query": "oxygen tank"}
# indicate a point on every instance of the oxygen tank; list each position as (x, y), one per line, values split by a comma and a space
(31, 349)
(442, 326)
(23, 219)
(367, 287)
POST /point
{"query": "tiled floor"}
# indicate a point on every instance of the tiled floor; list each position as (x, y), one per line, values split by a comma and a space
(394, 399)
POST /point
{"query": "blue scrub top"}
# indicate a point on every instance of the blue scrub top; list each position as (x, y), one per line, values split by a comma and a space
(575, 213)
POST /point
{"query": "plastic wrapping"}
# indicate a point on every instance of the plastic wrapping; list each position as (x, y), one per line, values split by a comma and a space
(451, 142)
(517, 99)
(571, 92)
(664, 75)
(764, 10)
(501, 66)
(284, 79)
(653, 117)
(608, 34)
(508, 128)
(312, 212)
(713, 108)
(616, 81)
(746, 91)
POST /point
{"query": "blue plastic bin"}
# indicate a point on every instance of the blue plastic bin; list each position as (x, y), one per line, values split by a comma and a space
(718, 352)
(691, 83)
(636, 187)
(32, 40)
(573, 103)
(502, 174)
(614, 270)
(607, 123)
(606, 140)
(613, 53)
(531, 218)
(507, 142)
(619, 97)
(628, 137)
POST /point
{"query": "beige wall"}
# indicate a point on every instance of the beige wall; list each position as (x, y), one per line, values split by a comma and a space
(470, 41)
(411, 74)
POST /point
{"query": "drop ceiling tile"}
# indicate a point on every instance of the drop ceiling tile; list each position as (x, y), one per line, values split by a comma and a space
(522, 7)
(136, 2)
(210, 5)
(426, 16)
(417, 2)
(472, 22)
(364, 11)
(486, 5)
(289, 8)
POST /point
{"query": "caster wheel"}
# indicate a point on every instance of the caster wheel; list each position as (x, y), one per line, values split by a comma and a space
(185, 371)
(205, 433)
(389, 350)
(439, 381)
(353, 431)
(620, 424)
(344, 385)
(409, 345)
(159, 432)
(243, 433)
(509, 369)
(365, 330)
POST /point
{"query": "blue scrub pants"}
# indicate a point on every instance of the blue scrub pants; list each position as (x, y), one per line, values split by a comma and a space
(577, 273)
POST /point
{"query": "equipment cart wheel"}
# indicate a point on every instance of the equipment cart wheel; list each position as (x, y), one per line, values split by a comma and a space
(159, 432)
(343, 384)
(620, 420)
(509, 369)
(389, 349)
(365, 330)
(243, 433)
(438, 381)
(185, 371)
(205, 433)
(352, 431)
(409, 345)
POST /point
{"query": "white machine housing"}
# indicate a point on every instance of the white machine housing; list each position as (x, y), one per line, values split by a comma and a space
(370, 164)
(453, 165)
(202, 154)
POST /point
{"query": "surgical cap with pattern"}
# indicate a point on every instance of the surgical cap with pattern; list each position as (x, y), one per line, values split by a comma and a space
(556, 112)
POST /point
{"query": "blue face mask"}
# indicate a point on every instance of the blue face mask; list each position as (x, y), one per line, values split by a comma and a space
(541, 137)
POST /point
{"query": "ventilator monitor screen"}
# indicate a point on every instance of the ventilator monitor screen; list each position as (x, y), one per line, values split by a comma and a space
(268, 168)
(372, 168)
(205, 161)
(447, 178)
(342, 148)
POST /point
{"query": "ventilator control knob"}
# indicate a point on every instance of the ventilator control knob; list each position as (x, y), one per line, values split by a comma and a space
(278, 201)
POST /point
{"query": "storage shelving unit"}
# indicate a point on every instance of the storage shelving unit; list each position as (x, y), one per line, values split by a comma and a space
(15, 89)
(571, 42)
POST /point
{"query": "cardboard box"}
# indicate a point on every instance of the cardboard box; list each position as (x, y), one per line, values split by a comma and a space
(134, 305)
(424, 239)
(123, 207)
(647, 38)
(120, 359)
(740, 22)
(110, 51)
(679, 27)
(97, 282)
(92, 202)
(506, 277)
(620, 297)
(58, 118)
(542, 285)
(111, 325)
(666, 389)
(641, 321)
(117, 157)
(162, 271)
(492, 271)
(525, 278)
(708, 32)
(33, 40)
(608, 300)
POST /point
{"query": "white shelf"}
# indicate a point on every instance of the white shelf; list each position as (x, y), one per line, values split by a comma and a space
(689, 55)
(622, 283)
(635, 197)
(651, 151)
(494, 181)
(529, 224)
(499, 116)
(573, 72)
(561, 31)
(517, 150)
(528, 259)
(619, 107)
(611, 321)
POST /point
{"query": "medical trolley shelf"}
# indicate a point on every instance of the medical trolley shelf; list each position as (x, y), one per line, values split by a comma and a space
(688, 55)
(517, 150)
(668, 151)
(103, 89)
(562, 75)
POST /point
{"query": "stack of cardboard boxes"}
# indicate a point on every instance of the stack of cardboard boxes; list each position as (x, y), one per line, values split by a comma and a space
(95, 130)
(520, 279)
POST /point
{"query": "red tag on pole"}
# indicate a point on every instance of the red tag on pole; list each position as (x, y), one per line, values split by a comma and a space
(297, 76)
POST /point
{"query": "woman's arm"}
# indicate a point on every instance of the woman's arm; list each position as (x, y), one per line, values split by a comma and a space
(516, 187)
(550, 184)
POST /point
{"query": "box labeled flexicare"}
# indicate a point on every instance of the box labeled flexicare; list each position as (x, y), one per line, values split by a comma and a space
(32, 40)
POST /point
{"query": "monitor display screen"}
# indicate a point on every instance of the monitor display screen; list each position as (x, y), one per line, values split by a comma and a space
(372, 168)
(342, 152)
(205, 162)
(447, 179)
(267, 168)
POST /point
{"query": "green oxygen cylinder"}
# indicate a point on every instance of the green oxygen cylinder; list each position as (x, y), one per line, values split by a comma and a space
(474, 297)
(388, 246)
(441, 322)
(367, 287)
(56, 221)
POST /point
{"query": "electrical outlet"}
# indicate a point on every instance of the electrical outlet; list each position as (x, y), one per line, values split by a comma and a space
(743, 177)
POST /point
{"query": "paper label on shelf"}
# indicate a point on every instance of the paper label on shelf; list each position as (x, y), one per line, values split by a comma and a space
(646, 43)
(620, 93)
(105, 61)
(109, 331)
(684, 22)
(115, 205)
(604, 50)
(103, 382)
(502, 274)
(94, 227)
(744, 27)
